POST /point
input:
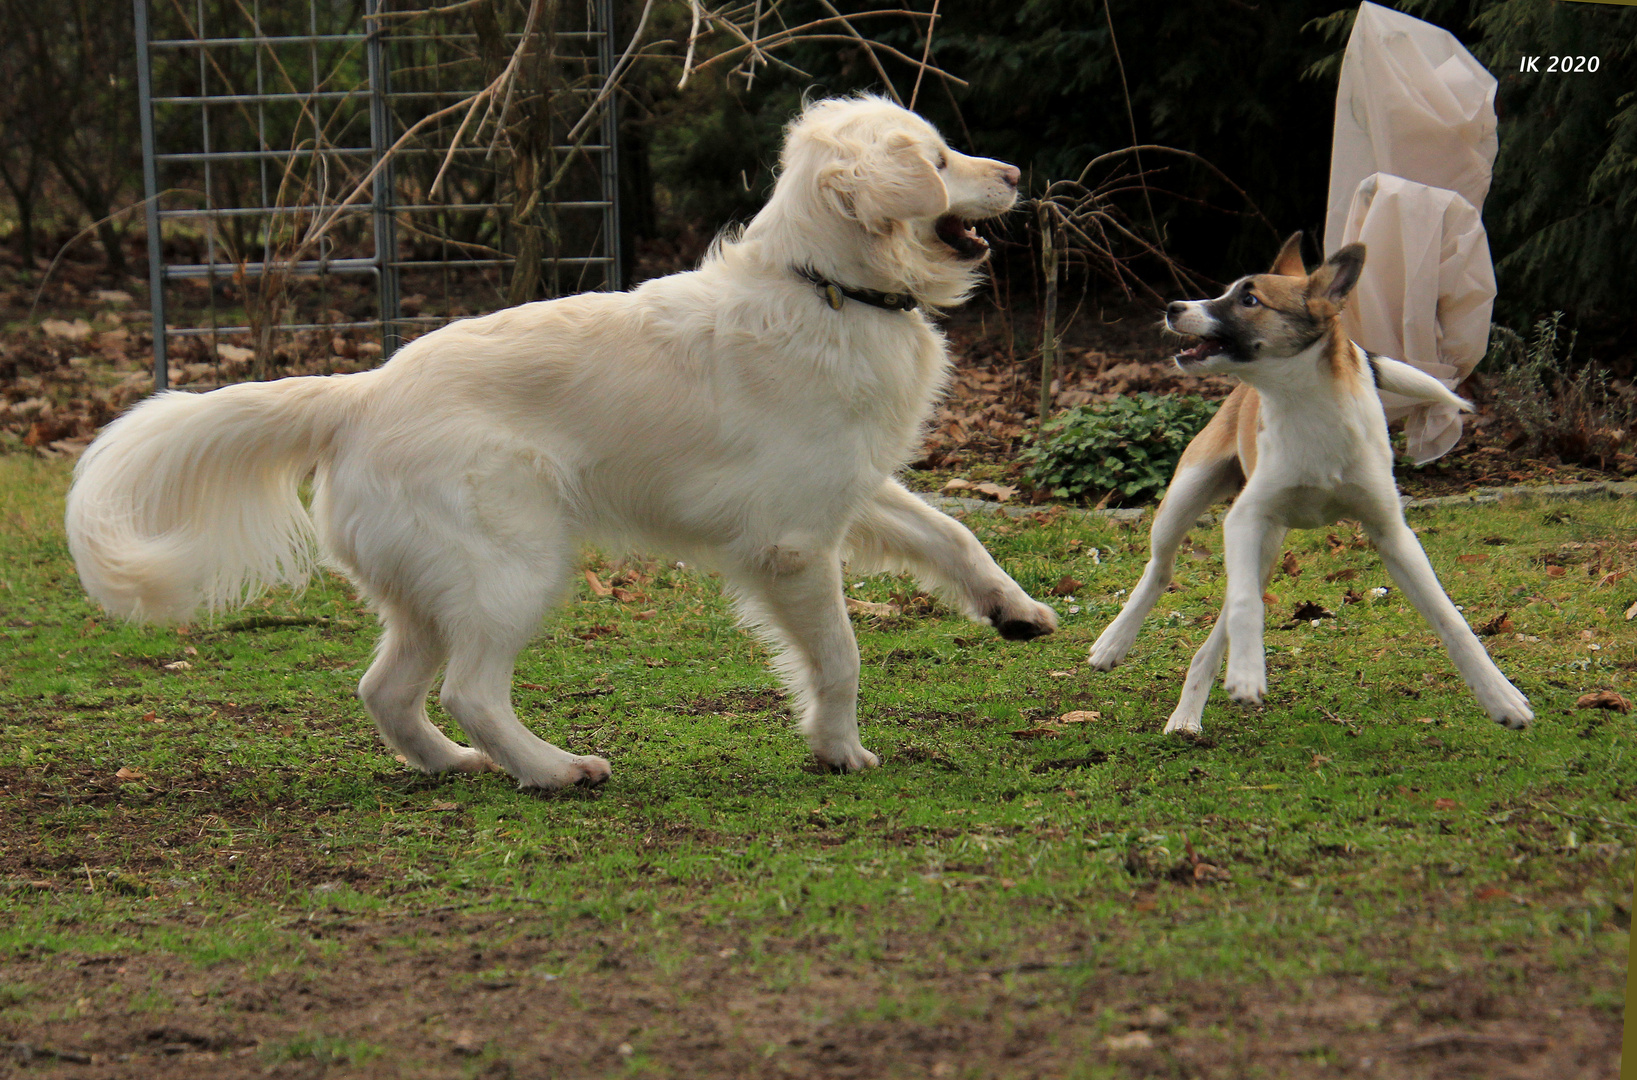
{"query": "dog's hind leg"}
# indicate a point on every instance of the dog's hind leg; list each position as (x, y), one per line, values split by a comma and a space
(1409, 567)
(500, 610)
(1201, 675)
(394, 693)
(1195, 487)
(794, 598)
(1251, 543)
(897, 530)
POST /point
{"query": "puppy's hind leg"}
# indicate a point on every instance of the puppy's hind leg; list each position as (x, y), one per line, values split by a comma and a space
(1201, 674)
(1252, 543)
(1409, 567)
(394, 693)
(1195, 487)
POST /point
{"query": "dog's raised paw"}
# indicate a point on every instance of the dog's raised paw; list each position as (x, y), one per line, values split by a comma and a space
(1023, 626)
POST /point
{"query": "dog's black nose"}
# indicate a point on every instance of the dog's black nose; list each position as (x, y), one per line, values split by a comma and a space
(1011, 175)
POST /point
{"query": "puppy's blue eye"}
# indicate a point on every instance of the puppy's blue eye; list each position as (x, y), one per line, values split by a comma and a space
(1249, 300)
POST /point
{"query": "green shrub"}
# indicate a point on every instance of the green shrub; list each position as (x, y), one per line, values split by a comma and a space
(1128, 446)
(1555, 403)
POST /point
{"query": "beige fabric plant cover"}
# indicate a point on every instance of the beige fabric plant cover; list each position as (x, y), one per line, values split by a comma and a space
(1413, 152)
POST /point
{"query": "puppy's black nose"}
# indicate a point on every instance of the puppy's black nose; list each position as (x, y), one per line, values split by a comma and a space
(1011, 175)
(1175, 308)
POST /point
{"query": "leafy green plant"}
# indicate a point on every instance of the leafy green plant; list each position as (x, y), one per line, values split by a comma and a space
(1127, 447)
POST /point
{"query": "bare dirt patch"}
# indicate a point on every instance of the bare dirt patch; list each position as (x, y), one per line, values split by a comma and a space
(497, 995)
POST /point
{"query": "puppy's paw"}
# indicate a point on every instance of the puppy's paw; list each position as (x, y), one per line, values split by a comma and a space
(1110, 648)
(846, 759)
(1022, 621)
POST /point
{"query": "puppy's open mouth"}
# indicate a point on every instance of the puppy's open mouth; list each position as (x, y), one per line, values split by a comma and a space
(961, 238)
(1198, 354)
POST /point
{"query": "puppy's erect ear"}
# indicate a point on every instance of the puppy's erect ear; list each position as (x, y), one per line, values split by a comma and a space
(886, 181)
(1289, 263)
(1331, 283)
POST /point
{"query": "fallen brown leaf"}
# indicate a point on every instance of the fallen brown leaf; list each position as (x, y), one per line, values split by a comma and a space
(596, 584)
(1471, 558)
(1603, 699)
(624, 596)
(1290, 566)
(1079, 716)
(1500, 624)
(128, 773)
(1067, 586)
(1307, 610)
(998, 492)
(1344, 574)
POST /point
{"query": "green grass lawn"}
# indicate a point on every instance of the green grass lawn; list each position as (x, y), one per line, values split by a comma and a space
(209, 865)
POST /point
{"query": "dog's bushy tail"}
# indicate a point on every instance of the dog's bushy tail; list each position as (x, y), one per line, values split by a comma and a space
(1400, 378)
(192, 500)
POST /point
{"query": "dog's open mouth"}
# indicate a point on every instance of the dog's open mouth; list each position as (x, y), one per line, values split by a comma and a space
(961, 238)
(1198, 354)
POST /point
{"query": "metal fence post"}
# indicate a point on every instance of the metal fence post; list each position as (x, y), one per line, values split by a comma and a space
(380, 139)
(150, 192)
(611, 156)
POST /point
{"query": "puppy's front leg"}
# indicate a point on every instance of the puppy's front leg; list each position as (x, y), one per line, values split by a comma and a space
(1195, 487)
(1407, 563)
(793, 596)
(896, 530)
(1251, 541)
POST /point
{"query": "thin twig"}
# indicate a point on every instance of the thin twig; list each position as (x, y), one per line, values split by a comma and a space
(868, 50)
(926, 54)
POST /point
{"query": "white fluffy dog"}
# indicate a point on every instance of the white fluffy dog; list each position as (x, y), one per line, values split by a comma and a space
(749, 415)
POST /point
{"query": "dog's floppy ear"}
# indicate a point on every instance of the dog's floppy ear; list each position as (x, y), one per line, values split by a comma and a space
(1331, 283)
(1289, 263)
(885, 181)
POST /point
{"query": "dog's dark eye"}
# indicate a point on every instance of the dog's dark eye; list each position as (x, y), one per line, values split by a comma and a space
(1249, 300)
(943, 162)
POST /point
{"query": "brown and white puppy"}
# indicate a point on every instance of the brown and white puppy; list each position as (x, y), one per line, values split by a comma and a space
(1304, 443)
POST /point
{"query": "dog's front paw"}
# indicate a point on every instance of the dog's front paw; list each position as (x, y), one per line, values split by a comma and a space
(847, 759)
(1110, 647)
(1507, 706)
(1246, 687)
(586, 771)
(1183, 722)
(1023, 621)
